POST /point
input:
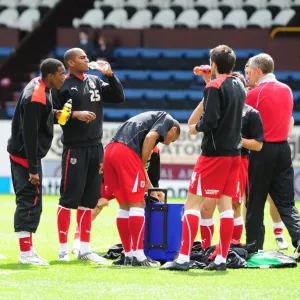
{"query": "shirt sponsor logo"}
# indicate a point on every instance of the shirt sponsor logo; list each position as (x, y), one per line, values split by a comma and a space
(73, 161)
(74, 88)
(211, 192)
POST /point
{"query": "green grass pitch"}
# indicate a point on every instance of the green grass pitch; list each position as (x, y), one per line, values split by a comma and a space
(83, 280)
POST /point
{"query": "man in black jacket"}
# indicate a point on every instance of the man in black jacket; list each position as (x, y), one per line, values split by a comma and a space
(216, 172)
(82, 159)
(31, 137)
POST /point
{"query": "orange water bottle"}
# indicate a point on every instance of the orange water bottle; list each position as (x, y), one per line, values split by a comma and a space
(202, 70)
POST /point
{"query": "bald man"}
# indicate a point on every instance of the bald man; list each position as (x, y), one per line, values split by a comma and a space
(82, 157)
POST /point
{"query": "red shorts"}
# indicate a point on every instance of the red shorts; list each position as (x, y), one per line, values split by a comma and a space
(124, 174)
(215, 176)
(243, 179)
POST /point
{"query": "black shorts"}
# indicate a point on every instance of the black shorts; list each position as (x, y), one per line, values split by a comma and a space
(28, 198)
(82, 170)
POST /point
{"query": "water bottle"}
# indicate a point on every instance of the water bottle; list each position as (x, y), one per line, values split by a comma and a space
(202, 70)
(62, 120)
(93, 65)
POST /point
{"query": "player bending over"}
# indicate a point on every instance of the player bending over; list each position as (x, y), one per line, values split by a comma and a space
(125, 159)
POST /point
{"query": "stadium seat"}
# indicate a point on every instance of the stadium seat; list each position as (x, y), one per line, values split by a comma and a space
(225, 6)
(237, 18)
(275, 6)
(260, 19)
(178, 6)
(203, 6)
(45, 5)
(132, 6)
(295, 81)
(8, 4)
(211, 19)
(107, 5)
(141, 19)
(283, 17)
(295, 4)
(283, 77)
(9, 17)
(189, 18)
(28, 19)
(92, 18)
(156, 5)
(116, 19)
(25, 4)
(250, 6)
(165, 18)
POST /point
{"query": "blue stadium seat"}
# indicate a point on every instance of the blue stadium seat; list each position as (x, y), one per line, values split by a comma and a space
(127, 52)
(246, 53)
(194, 95)
(175, 95)
(157, 75)
(197, 53)
(134, 94)
(295, 75)
(10, 111)
(111, 113)
(296, 116)
(60, 51)
(5, 51)
(296, 96)
(282, 76)
(152, 53)
(183, 75)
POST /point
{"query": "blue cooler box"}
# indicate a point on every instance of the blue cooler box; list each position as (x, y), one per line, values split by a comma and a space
(163, 227)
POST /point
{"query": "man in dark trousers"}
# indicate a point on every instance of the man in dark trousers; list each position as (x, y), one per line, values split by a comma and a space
(216, 172)
(31, 137)
(125, 160)
(271, 170)
(82, 159)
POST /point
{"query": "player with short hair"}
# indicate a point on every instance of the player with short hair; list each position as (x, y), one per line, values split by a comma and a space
(277, 222)
(216, 172)
(31, 137)
(252, 139)
(82, 158)
(125, 159)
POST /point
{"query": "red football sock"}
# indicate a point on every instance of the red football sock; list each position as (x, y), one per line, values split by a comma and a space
(278, 229)
(84, 221)
(226, 230)
(189, 230)
(123, 228)
(137, 227)
(77, 233)
(237, 230)
(24, 241)
(63, 223)
(207, 231)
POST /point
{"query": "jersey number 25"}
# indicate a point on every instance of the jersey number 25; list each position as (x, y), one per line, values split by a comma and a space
(95, 96)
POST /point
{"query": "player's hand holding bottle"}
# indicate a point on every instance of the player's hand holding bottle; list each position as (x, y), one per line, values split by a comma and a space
(102, 66)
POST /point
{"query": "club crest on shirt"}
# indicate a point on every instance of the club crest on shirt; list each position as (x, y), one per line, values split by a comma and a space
(92, 84)
(142, 184)
(73, 161)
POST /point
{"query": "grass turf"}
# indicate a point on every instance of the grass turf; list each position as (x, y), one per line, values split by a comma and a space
(83, 280)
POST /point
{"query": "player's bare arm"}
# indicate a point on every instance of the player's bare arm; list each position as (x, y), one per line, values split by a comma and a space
(292, 122)
(196, 115)
(252, 144)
